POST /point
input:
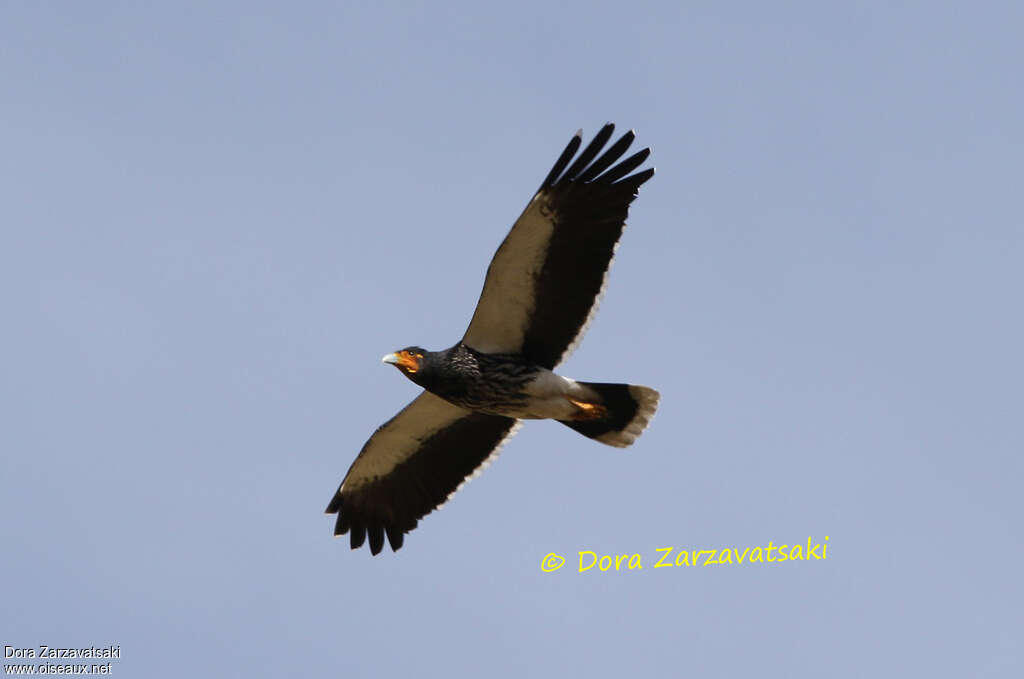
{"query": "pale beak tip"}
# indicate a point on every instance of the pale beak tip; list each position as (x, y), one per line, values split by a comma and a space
(390, 358)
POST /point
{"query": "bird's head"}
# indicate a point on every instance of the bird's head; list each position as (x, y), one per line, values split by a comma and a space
(409, 361)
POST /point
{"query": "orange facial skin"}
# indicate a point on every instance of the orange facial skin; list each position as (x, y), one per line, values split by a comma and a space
(405, 360)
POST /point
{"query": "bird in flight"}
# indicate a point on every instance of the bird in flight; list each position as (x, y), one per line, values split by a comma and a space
(540, 292)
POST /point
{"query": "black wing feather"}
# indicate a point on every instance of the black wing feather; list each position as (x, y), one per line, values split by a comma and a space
(609, 157)
(563, 160)
(625, 167)
(358, 535)
(375, 532)
(589, 153)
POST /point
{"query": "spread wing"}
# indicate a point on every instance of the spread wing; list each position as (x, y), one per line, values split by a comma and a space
(410, 466)
(546, 279)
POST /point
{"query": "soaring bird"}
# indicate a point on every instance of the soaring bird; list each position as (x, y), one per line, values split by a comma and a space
(540, 292)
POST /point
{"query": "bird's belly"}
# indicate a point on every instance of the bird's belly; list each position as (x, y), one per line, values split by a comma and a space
(557, 408)
(545, 396)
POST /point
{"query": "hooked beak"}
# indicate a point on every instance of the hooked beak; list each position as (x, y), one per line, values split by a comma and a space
(404, 360)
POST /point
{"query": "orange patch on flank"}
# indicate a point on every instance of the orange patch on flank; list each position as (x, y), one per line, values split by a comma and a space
(589, 411)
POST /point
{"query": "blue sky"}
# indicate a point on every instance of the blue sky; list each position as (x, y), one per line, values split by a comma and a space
(217, 218)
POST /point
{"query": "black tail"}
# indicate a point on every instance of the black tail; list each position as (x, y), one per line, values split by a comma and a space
(622, 412)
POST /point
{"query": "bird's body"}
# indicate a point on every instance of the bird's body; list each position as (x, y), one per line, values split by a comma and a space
(501, 384)
(541, 289)
(496, 384)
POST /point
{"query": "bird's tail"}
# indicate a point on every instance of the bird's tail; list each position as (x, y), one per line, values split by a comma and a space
(616, 415)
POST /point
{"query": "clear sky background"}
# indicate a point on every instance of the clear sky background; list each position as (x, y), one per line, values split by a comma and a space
(216, 217)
